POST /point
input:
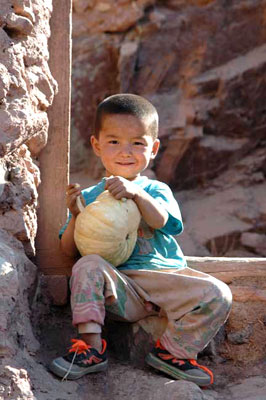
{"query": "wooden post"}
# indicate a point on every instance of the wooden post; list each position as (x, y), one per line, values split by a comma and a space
(54, 159)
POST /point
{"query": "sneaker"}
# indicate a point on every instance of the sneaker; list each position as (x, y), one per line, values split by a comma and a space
(81, 359)
(188, 370)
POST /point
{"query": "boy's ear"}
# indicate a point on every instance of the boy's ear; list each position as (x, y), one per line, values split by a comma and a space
(95, 145)
(155, 148)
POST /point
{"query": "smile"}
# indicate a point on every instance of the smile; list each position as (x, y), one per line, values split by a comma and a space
(125, 163)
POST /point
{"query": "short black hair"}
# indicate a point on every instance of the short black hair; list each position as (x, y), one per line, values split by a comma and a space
(130, 104)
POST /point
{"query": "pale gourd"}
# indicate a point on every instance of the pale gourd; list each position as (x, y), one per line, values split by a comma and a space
(107, 227)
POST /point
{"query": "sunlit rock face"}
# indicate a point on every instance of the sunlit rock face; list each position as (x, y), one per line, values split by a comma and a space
(202, 64)
(27, 89)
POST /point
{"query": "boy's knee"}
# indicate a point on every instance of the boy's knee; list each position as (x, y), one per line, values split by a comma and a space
(91, 262)
(223, 294)
(228, 297)
(95, 258)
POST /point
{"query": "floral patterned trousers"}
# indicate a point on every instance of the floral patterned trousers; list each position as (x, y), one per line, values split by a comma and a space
(196, 304)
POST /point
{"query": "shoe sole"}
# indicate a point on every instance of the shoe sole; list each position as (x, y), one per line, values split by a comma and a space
(60, 371)
(154, 362)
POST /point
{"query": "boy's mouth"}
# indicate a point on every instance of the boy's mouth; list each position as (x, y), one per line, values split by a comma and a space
(125, 163)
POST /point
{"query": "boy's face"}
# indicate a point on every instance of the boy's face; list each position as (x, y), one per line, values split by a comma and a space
(124, 145)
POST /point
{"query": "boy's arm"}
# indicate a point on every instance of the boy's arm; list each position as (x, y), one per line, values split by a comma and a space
(67, 242)
(151, 210)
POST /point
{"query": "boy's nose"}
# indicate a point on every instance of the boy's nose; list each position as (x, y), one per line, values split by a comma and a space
(126, 149)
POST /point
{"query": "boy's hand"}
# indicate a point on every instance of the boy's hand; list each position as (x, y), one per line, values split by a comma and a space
(120, 187)
(153, 213)
(72, 192)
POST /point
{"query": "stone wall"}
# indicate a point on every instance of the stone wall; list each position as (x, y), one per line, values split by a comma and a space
(27, 90)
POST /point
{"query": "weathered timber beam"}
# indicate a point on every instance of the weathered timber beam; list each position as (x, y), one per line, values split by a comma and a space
(54, 159)
(227, 268)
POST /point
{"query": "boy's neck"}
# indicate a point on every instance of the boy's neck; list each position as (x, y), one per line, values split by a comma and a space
(129, 179)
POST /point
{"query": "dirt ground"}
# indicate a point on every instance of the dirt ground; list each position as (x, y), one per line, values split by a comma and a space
(125, 380)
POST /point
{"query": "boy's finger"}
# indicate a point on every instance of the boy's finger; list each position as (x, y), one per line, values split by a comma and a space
(119, 193)
(118, 196)
(71, 192)
(109, 182)
(72, 186)
(71, 200)
(114, 185)
(111, 179)
(115, 191)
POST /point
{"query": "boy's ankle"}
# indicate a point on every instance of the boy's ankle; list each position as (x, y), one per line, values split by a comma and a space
(93, 339)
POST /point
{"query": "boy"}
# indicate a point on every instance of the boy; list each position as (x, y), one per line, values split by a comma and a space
(155, 280)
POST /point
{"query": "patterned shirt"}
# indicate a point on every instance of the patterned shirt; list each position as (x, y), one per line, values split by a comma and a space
(155, 248)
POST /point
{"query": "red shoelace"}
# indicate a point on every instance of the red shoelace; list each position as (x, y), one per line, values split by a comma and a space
(79, 346)
(181, 362)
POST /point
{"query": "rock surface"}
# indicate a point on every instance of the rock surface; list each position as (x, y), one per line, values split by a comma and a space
(18, 278)
(26, 91)
(220, 217)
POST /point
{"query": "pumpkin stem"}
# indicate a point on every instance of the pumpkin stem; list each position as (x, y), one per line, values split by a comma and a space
(79, 204)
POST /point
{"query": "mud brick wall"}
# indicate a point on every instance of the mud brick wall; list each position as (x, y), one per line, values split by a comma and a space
(27, 89)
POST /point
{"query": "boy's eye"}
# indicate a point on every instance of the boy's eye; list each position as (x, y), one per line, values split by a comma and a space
(113, 141)
(139, 143)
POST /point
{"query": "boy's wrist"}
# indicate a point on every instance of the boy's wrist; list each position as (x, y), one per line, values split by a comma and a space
(74, 217)
(74, 211)
(137, 195)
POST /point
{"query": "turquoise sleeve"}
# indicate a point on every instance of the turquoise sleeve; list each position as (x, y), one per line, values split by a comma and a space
(62, 230)
(163, 194)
